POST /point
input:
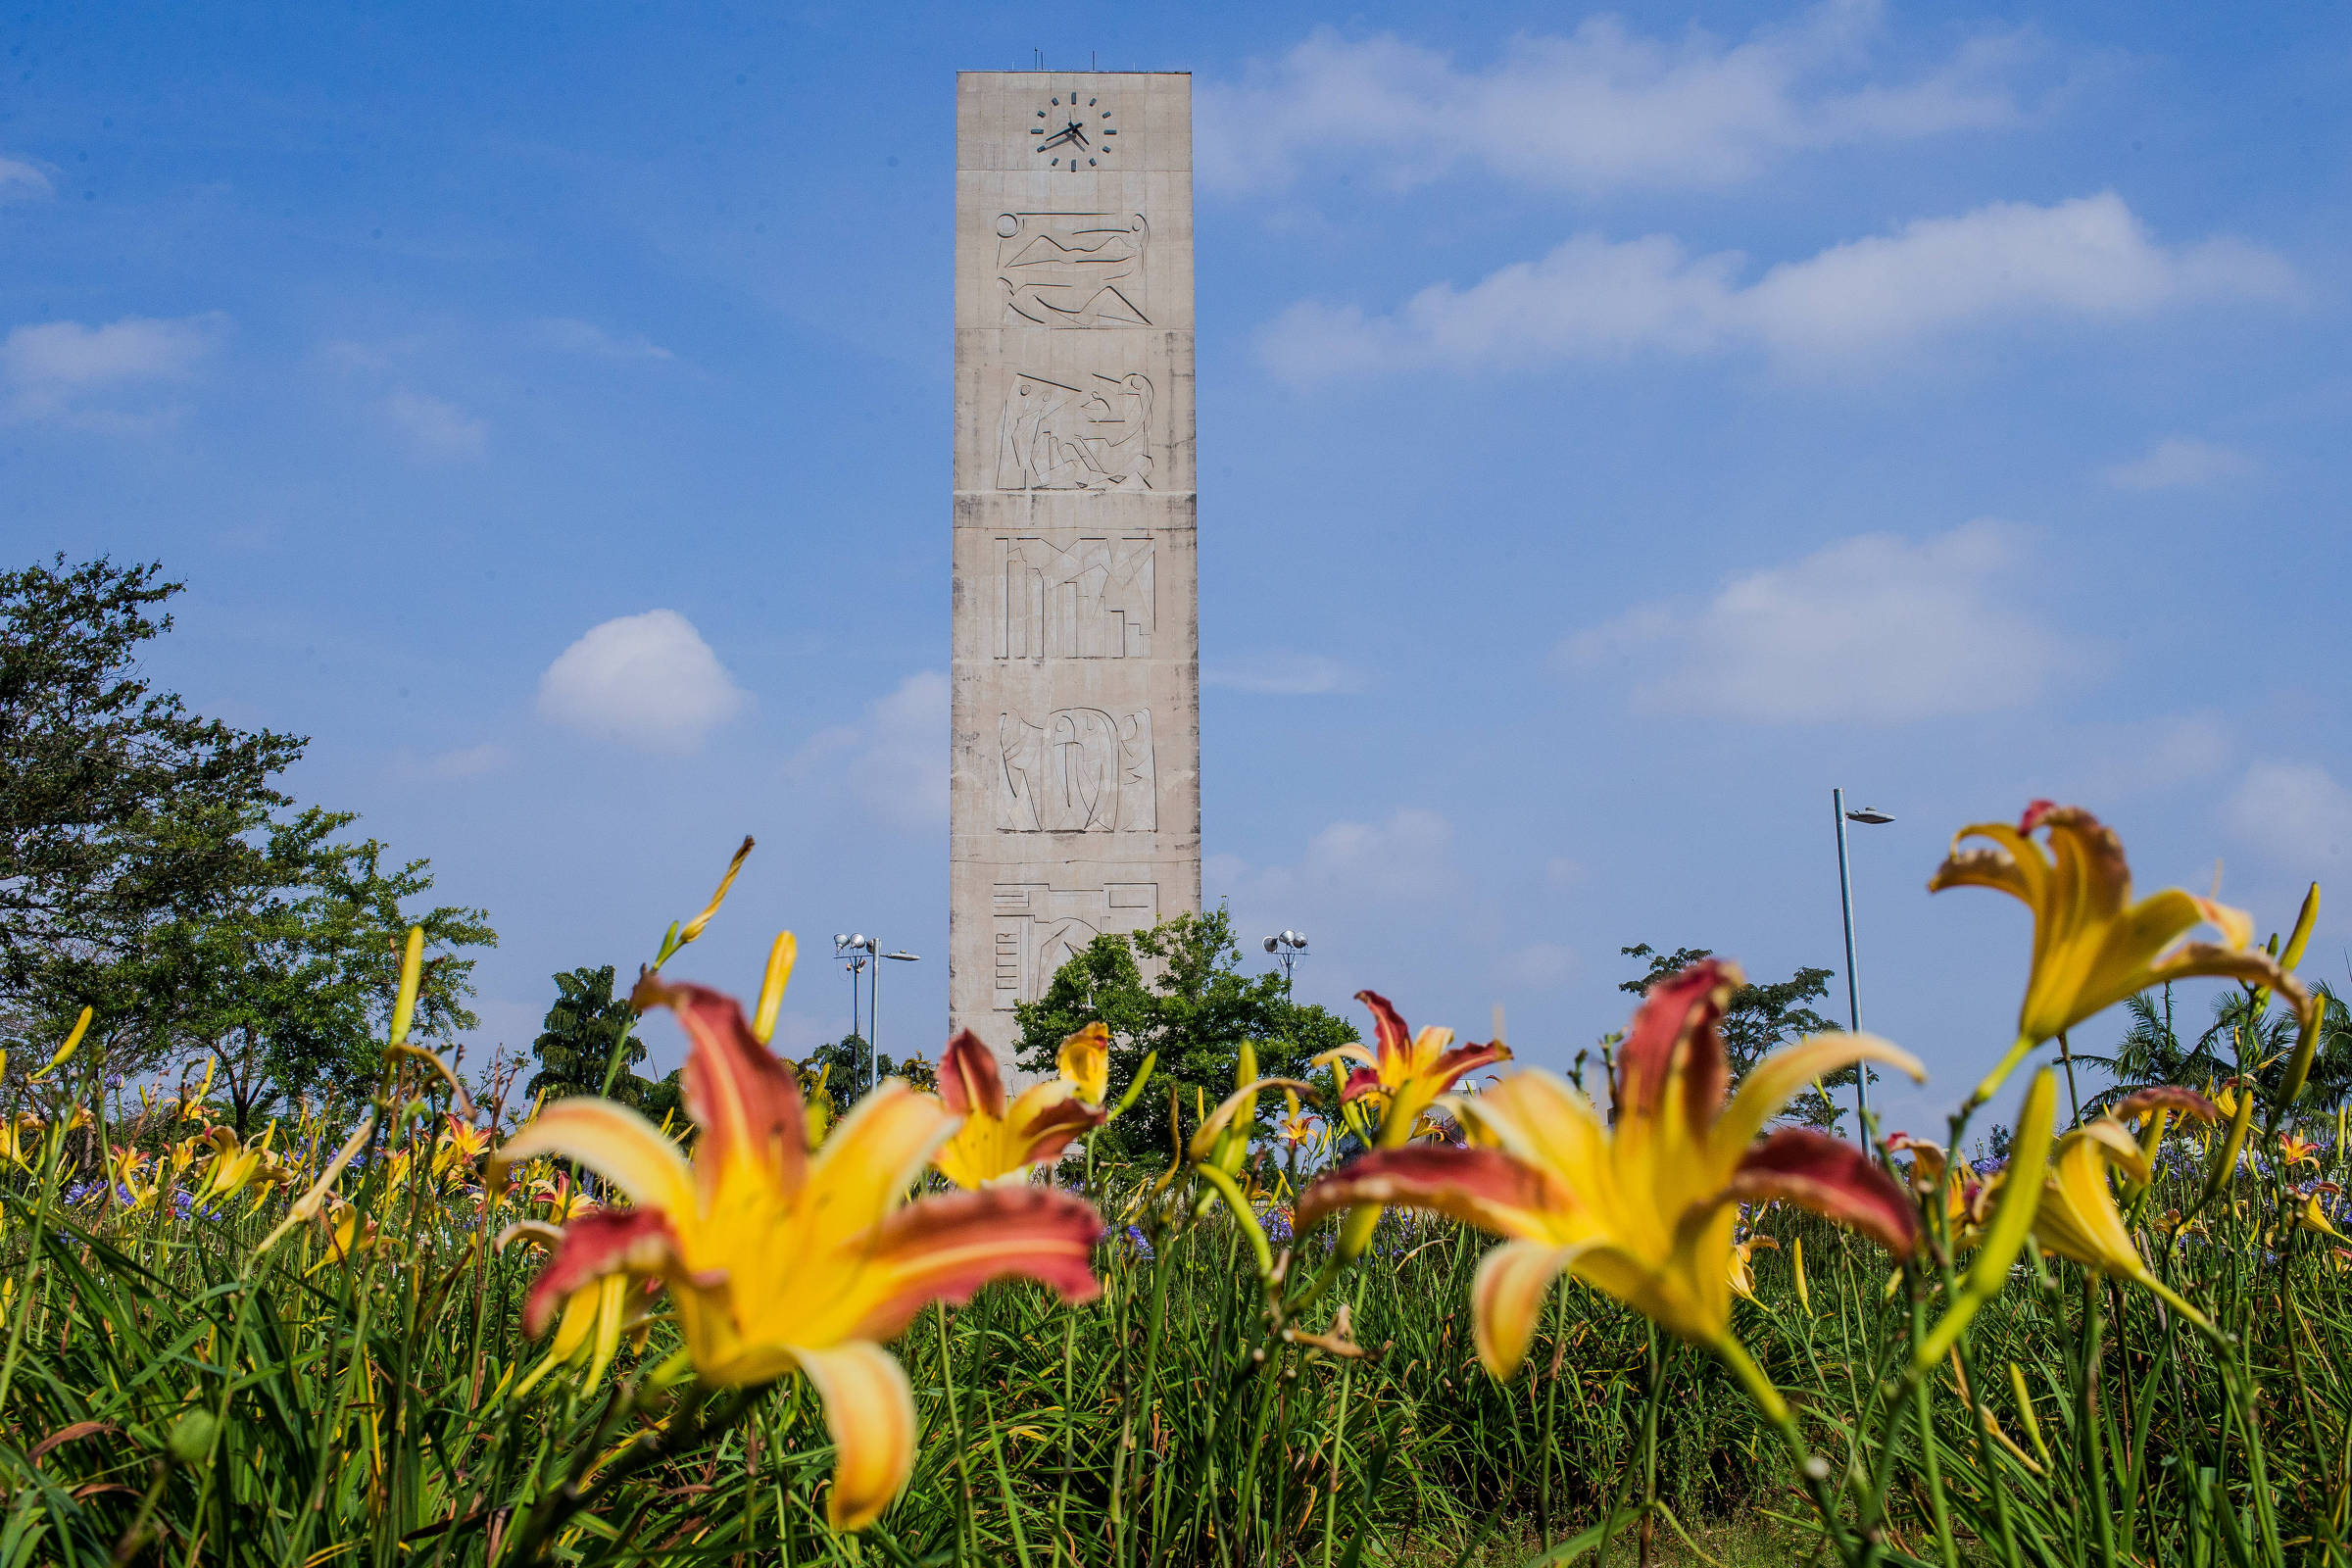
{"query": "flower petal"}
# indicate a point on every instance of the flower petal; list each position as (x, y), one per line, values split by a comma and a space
(611, 1140)
(1506, 1298)
(1394, 1039)
(2171, 1098)
(949, 1246)
(869, 1408)
(1833, 1179)
(745, 1100)
(1084, 1059)
(872, 1158)
(1483, 1187)
(600, 1242)
(1780, 1077)
(968, 1079)
(1676, 1024)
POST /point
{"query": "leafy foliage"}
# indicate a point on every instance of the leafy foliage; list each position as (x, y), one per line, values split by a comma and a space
(575, 1045)
(1177, 990)
(1762, 1017)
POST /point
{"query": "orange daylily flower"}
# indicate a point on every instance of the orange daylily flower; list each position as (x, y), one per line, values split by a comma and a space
(2294, 1150)
(1084, 1063)
(1741, 1274)
(1407, 1070)
(999, 1141)
(2094, 947)
(1645, 1210)
(778, 1259)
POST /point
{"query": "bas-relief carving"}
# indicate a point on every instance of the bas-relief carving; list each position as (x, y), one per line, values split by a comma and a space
(1072, 269)
(1051, 435)
(1091, 600)
(1038, 927)
(1083, 770)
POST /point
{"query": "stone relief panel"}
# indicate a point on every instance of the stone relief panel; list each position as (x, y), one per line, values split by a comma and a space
(1094, 435)
(1091, 600)
(1083, 770)
(1073, 270)
(1039, 926)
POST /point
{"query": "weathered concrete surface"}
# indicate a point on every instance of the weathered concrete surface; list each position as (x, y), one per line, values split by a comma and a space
(1074, 801)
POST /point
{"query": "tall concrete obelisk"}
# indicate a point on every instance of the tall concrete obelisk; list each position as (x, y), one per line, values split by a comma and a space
(1075, 782)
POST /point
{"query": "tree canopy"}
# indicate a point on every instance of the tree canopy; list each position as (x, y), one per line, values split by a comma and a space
(1178, 990)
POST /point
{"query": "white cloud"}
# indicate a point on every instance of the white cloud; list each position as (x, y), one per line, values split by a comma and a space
(20, 182)
(433, 429)
(1285, 674)
(647, 681)
(2135, 758)
(1539, 966)
(1408, 856)
(102, 375)
(1602, 108)
(2177, 461)
(893, 760)
(1871, 629)
(2294, 812)
(470, 762)
(573, 336)
(1595, 297)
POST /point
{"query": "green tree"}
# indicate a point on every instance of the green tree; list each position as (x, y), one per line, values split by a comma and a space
(1761, 1017)
(1176, 989)
(286, 970)
(575, 1048)
(119, 810)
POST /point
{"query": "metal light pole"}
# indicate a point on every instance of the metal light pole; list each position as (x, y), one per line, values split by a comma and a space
(1853, 986)
(1288, 947)
(855, 952)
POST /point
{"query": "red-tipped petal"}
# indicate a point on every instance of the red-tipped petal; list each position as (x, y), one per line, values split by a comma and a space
(1833, 1179)
(1676, 1021)
(1363, 1081)
(743, 1097)
(1051, 1130)
(1482, 1187)
(1462, 1060)
(597, 1243)
(2034, 811)
(1396, 1041)
(950, 1245)
(969, 1077)
(2165, 1097)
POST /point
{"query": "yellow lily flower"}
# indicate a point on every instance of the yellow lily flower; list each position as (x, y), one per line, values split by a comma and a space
(2312, 1217)
(779, 1261)
(237, 1166)
(2294, 1150)
(1084, 1063)
(1644, 1211)
(2092, 945)
(1408, 1071)
(2078, 1220)
(1001, 1143)
(1743, 1273)
(595, 1318)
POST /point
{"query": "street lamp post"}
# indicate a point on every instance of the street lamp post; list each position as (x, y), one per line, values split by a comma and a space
(1288, 947)
(856, 950)
(1872, 816)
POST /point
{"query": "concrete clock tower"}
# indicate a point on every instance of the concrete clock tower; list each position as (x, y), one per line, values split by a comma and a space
(1074, 802)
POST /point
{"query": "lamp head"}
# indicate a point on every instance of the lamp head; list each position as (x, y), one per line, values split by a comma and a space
(1272, 943)
(1870, 814)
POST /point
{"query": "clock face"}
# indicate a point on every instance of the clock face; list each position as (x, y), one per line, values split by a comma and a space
(1073, 131)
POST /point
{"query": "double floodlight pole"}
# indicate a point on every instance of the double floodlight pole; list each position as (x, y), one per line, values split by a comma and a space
(855, 952)
(1288, 947)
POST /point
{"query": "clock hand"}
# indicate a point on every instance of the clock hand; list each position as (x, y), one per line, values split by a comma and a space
(1058, 138)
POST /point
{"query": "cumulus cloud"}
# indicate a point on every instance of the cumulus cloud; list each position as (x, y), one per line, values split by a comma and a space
(1285, 674)
(2134, 757)
(2089, 258)
(570, 335)
(434, 429)
(2295, 813)
(20, 182)
(2180, 462)
(1602, 107)
(645, 681)
(1876, 629)
(1407, 856)
(893, 760)
(110, 376)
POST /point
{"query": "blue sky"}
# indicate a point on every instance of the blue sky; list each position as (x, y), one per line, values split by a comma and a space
(1616, 429)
